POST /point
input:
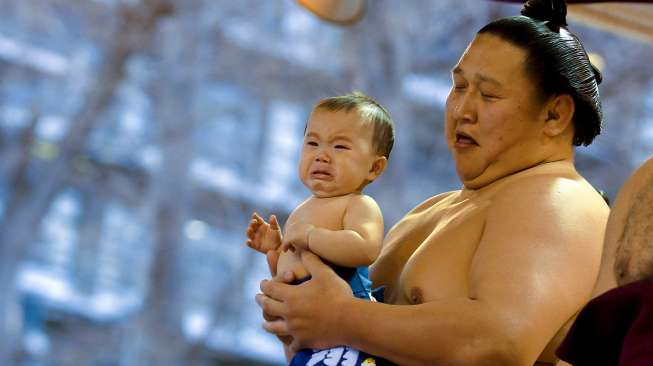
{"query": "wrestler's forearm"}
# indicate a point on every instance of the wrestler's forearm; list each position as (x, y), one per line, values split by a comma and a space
(343, 247)
(455, 332)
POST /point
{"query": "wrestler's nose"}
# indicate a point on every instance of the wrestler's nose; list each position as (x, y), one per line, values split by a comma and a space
(465, 108)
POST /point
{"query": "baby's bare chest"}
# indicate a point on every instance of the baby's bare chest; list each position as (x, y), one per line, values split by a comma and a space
(327, 213)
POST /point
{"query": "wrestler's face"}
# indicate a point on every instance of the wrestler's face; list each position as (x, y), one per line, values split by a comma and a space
(338, 156)
(492, 123)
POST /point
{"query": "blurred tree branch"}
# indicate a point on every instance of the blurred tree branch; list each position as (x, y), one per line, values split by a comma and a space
(28, 204)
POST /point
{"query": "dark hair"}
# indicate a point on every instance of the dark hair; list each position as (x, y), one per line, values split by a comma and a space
(556, 61)
(371, 111)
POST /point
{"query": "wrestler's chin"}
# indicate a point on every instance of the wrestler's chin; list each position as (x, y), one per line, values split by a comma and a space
(467, 171)
(474, 176)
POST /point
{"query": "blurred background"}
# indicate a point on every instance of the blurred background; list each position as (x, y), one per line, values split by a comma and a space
(138, 136)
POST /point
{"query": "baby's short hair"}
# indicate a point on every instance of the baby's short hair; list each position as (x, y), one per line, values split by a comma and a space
(371, 111)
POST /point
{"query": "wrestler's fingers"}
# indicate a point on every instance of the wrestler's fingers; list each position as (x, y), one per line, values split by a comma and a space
(269, 317)
(278, 327)
(314, 264)
(271, 307)
(287, 277)
(275, 290)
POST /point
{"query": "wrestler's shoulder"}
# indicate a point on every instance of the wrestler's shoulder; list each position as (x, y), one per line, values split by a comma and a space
(434, 201)
(568, 190)
(545, 184)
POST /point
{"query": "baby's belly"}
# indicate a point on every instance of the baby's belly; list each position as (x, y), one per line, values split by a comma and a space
(291, 262)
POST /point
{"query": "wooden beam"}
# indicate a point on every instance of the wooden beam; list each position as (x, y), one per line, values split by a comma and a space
(631, 20)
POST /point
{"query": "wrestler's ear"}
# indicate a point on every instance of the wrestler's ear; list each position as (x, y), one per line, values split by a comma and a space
(558, 114)
(378, 166)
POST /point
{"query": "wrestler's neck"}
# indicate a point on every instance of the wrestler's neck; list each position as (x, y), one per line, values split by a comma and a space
(500, 170)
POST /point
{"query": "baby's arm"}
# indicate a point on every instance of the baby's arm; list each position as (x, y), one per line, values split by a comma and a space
(358, 244)
(263, 236)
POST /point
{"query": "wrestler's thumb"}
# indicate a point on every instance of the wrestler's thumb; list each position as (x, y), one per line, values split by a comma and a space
(314, 264)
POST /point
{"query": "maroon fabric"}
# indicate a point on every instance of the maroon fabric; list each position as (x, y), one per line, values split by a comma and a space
(614, 329)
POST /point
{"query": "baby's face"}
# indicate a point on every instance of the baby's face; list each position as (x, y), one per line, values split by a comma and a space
(337, 155)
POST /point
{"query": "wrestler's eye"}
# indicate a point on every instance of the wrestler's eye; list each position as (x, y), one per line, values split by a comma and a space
(489, 96)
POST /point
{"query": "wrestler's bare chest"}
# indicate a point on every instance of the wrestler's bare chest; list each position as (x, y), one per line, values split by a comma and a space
(427, 256)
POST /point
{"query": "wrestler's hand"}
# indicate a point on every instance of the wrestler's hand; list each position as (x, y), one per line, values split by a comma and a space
(296, 237)
(308, 312)
(263, 236)
(287, 277)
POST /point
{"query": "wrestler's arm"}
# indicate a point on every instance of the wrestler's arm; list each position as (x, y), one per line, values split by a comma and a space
(358, 244)
(535, 266)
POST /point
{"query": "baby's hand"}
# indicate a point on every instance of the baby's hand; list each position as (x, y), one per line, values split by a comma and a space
(296, 237)
(263, 236)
